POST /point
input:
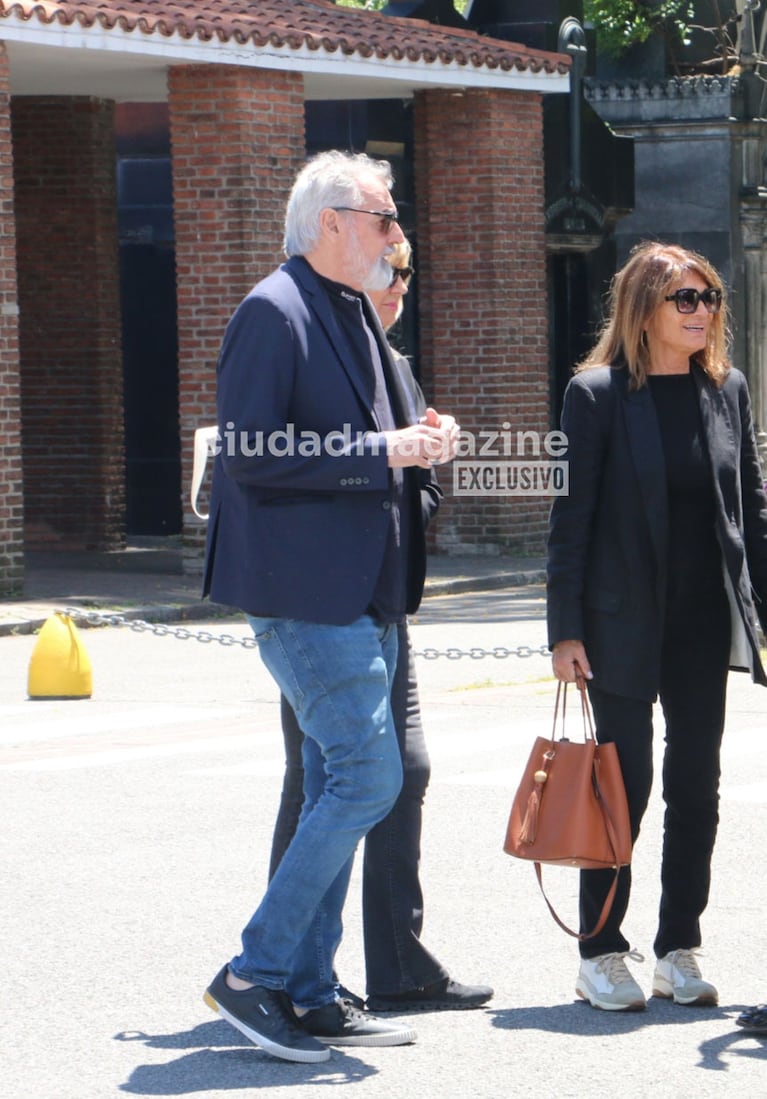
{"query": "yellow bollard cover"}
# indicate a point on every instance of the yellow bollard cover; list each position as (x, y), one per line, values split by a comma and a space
(59, 666)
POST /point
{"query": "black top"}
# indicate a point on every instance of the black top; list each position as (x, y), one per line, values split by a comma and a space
(695, 575)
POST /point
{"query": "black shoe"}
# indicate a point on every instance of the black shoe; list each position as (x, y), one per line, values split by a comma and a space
(340, 1024)
(265, 1016)
(444, 995)
(754, 1019)
(352, 998)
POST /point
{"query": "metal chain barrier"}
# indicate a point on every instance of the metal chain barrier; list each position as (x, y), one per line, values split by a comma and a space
(499, 652)
(158, 629)
(182, 633)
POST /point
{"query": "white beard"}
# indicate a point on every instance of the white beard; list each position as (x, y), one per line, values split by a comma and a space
(370, 276)
(379, 276)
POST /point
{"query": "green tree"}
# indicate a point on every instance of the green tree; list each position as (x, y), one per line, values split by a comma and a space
(623, 23)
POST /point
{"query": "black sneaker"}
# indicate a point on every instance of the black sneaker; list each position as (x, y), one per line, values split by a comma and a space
(754, 1019)
(341, 1024)
(444, 995)
(343, 993)
(265, 1016)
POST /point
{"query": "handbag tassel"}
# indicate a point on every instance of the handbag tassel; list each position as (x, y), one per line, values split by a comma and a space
(529, 829)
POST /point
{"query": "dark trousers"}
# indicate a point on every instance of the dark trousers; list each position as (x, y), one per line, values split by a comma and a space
(392, 901)
(692, 694)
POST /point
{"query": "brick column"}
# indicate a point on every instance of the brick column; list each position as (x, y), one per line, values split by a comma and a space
(69, 330)
(11, 492)
(237, 141)
(482, 293)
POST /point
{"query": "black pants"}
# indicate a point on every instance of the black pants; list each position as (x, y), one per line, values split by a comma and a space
(692, 694)
(392, 901)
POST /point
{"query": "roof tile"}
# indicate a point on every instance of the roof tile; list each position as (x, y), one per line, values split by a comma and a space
(294, 25)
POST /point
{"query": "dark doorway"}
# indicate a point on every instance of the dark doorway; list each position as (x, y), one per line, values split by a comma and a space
(152, 451)
(149, 339)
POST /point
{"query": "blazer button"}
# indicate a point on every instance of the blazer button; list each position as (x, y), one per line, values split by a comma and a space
(366, 480)
(386, 505)
(342, 481)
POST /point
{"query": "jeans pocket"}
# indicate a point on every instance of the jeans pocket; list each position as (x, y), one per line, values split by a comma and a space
(276, 657)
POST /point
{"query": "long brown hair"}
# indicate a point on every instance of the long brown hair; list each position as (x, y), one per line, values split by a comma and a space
(636, 292)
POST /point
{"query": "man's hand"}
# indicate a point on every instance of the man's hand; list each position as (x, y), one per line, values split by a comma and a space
(431, 442)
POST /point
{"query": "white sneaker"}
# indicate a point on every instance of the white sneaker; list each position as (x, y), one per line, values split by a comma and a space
(677, 977)
(606, 982)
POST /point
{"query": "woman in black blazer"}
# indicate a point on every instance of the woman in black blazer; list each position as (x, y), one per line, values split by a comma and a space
(653, 562)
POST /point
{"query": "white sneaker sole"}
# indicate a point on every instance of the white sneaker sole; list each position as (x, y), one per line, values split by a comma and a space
(397, 1038)
(285, 1053)
(592, 998)
(665, 991)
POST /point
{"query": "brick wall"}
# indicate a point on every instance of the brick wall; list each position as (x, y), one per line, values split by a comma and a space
(237, 141)
(482, 294)
(11, 493)
(69, 328)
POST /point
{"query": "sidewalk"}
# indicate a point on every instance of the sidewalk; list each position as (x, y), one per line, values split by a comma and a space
(147, 582)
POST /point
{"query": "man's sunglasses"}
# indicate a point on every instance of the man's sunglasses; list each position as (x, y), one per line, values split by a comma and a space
(404, 273)
(687, 299)
(386, 218)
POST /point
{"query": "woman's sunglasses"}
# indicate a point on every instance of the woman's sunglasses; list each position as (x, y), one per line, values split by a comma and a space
(404, 273)
(687, 299)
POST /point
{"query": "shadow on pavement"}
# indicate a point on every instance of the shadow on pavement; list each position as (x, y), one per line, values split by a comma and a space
(712, 1050)
(219, 1060)
(579, 1018)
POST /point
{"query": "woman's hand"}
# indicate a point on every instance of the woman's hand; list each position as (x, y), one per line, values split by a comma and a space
(569, 658)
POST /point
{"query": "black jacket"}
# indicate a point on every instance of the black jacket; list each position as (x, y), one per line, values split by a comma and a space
(607, 539)
(298, 526)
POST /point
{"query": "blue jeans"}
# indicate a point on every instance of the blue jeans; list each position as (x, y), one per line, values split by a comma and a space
(396, 960)
(338, 680)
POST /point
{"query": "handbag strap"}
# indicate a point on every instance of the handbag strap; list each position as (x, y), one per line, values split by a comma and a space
(205, 439)
(612, 838)
(588, 724)
(582, 936)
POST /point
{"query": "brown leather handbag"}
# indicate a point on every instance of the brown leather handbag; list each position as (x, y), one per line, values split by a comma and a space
(570, 808)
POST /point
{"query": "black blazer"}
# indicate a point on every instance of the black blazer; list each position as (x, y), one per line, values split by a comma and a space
(607, 538)
(302, 534)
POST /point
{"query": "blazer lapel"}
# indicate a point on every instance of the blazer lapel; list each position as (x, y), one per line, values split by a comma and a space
(319, 303)
(720, 439)
(401, 406)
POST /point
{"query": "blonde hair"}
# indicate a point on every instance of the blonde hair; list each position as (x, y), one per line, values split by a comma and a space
(400, 254)
(636, 292)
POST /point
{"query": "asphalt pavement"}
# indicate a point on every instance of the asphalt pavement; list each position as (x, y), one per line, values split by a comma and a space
(136, 840)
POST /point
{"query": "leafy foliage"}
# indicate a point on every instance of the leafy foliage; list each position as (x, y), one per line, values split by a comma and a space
(624, 23)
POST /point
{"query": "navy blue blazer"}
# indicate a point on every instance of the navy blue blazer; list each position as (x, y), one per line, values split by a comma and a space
(301, 494)
(607, 539)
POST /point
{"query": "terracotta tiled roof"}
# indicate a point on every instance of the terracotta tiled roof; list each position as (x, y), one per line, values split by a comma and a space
(293, 25)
